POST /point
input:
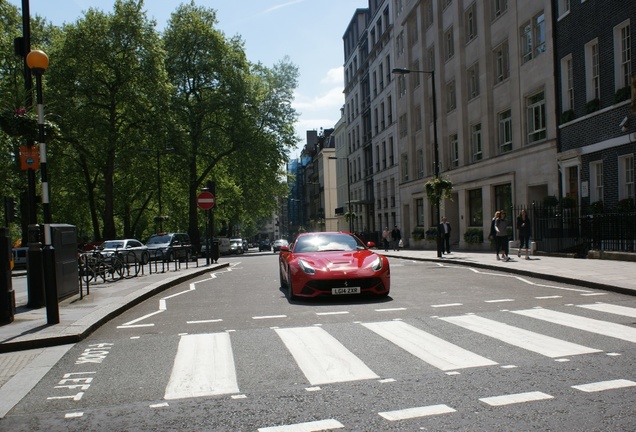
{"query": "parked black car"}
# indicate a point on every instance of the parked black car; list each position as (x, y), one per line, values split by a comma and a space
(264, 245)
(170, 247)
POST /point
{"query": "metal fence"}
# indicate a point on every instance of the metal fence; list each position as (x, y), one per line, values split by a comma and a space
(565, 229)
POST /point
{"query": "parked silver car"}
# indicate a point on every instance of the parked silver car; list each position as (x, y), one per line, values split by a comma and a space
(126, 248)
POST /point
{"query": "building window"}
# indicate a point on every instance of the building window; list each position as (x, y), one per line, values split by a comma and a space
(626, 177)
(592, 71)
(505, 131)
(564, 7)
(416, 80)
(418, 118)
(389, 102)
(536, 117)
(567, 83)
(377, 158)
(473, 81)
(420, 163)
(403, 126)
(419, 210)
(383, 155)
(449, 44)
(498, 8)
(476, 142)
(429, 17)
(533, 38)
(400, 44)
(451, 102)
(471, 21)
(503, 198)
(475, 208)
(453, 151)
(502, 63)
(623, 57)
(391, 152)
(596, 181)
(401, 85)
(405, 167)
(431, 58)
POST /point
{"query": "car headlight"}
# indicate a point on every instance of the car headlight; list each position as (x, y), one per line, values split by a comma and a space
(377, 264)
(306, 267)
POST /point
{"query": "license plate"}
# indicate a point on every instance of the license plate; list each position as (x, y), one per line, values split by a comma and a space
(345, 290)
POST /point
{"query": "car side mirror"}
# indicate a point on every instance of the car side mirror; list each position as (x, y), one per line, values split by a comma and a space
(370, 244)
(284, 248)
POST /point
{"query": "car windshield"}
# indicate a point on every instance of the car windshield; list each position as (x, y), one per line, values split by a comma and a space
(327, 242)
(236, 242)
(112, 244)
(159, 239)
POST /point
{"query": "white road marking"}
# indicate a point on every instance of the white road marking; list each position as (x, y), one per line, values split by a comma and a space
(549, 297)
(391, 309)
(604, 328)
(204, 321)
(594, 294)
(410, 413)
(269, 317)
(321, 357)
(447, 305)
(499, 301)
(74, 415)
(203, 366)
(535, 342)
(305, 427)
(516, 398)
(428, 348)
(613, 309)
(159, 405)
(605, 385)
(332, 313)
(135, 321)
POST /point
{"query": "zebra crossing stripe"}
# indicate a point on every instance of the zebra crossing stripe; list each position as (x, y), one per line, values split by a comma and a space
(321, 357)
(314, 426)
(605, 385)
(203, 366)
(515, 398)
(410, 413)
(591, 325)
(531, 341)
(613, 309)
(431, 349)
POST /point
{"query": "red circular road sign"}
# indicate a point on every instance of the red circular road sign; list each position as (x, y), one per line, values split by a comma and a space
(205, 200)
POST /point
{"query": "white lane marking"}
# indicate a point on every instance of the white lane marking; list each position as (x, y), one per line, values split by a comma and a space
(499, 301)
(74, 415)
(604, 328)
(391, 309)
(268, 317)
(203, 366)
(305, 427)
(613, 309)
(135, 321)
(410, 413)
(332, 313)
(605, 385)
(135, 326)
(204, 321)
(516, 398)
(159, 405)
(446, 305)
(594, 294)
(321, 357)
(428, 348)
(548, 297)
(535, 342)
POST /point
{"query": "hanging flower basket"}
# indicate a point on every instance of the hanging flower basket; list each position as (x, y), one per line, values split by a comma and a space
(23, 124)
(438, 188)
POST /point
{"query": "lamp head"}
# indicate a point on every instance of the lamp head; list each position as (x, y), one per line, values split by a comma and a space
(37, 61)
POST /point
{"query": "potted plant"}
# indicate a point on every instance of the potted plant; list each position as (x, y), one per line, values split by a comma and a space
(474, 236)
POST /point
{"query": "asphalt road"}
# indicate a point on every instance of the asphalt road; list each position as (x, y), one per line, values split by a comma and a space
(451, 349)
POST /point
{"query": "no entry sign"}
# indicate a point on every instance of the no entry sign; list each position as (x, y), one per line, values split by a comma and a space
(205, 200)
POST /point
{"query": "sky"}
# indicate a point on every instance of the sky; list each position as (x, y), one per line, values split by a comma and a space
(309, 32)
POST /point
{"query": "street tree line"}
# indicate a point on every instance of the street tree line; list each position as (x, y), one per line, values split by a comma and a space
(129, 100)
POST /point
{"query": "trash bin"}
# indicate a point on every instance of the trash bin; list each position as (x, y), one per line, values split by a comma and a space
(64, 240)
(215, 251)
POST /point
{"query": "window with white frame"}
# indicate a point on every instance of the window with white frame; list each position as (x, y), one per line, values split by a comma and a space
(473, 81)
(502, 63)
(505, 131)
(449, 44)
(596, 181)
(533, 38)
(498, 7)
(536, 117)
(470, 19)
(453, 151)
(564, 7)
(405, 167)
(451, 101)
(420, 163)
(626, 177)
(623, 55)
(592, 71)
(567, 82)
(476, 142)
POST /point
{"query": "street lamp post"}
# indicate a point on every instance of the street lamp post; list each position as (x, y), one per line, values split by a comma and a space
(160, 218)
(348, 192)
(38, 61)
(401, 71)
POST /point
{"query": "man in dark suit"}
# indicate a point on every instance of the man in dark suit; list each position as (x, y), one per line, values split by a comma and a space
(445, 230)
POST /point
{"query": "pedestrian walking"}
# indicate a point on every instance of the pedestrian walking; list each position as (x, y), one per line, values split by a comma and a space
(445, 230)
(501, 227)
(524, 228)
(396, 236)
(493, 232)
(386, 238)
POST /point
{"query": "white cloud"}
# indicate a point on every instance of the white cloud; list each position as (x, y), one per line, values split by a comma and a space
(282, 5)
(332, 100)
(334, 76)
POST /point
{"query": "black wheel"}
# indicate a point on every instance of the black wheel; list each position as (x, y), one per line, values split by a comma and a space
(283, 284)
(145, 258)
(290, 291)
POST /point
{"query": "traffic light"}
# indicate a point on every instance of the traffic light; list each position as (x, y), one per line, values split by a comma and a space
(10, 210)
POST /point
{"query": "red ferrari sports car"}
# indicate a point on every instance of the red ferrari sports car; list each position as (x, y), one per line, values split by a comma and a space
(332, 263)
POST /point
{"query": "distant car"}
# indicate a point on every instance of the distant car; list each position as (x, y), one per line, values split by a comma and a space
(169, 246)
(236, 246)
(331, 264)
(264, 245)
(126, 248)
(20, 257)
(246, 245)
(278, 244)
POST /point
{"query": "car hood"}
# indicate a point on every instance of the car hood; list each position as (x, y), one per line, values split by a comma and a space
(157, 245)
(339, 260)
